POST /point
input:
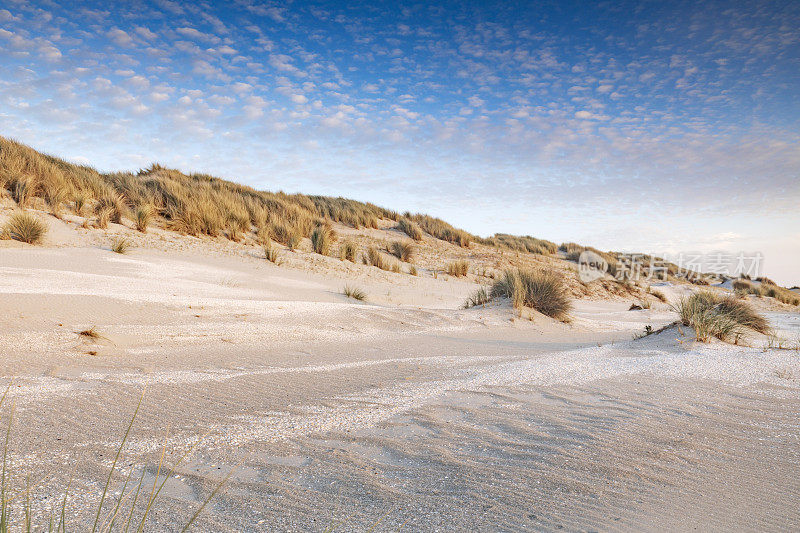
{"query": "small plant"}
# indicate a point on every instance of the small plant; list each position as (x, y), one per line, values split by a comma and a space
(458, 269)
(120, 245)
(25, 227)
(90, 333)
(479, 297)
(321, 239)
(270, 251)
(143, 215)
(410, 228)
(412, 270)
(348, 251)
(354, 293)
(395, 267)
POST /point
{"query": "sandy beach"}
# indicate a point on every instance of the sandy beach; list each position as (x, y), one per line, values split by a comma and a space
(401, 412)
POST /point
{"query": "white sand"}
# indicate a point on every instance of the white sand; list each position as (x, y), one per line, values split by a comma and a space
(404, 406)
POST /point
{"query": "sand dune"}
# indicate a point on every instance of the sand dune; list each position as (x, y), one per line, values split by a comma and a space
(403, 412)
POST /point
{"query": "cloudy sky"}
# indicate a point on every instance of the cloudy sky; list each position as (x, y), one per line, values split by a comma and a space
(654, 126)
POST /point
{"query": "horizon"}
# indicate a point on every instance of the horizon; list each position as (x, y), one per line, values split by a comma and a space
(649, 128)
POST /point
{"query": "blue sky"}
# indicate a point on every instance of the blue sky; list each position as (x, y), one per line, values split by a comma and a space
(657, 126)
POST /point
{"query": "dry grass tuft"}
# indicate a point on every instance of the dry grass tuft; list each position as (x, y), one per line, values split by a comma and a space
(373, 257)
(270, 251)
(120, 245)
(723, 317)
(402, 250)
(143, 216)
(25, 227)
(542, 290)
(355, 293)
(458, 268)
(90, 333)
(413, 270)
(348, 251)
(103, 217)
(321, 239)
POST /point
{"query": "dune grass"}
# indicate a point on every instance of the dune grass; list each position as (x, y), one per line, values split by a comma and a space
(458, 269)
(25, 227)
(413, 270)
(541, 290)
(403, 251)
(524, 243)
(481, 296)
(321, 239)
(120, 245)
(354, 293)
(348, 250)
(411, 229)
(270, 251)
(143, 216)
(441, 230)
(724, 317)
(373, 257)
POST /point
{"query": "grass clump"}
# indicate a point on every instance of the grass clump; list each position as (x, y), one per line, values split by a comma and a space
(143, 216)
(538, 289)
(373, 257)
(270, 251)
(354, 293)
(25, 227)
(402, 250)
(458, 269)
(120, 245)
(480, 296)
(348, 251)
(321, 239)
(410, 228)
(723, 317)
(413, 270)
